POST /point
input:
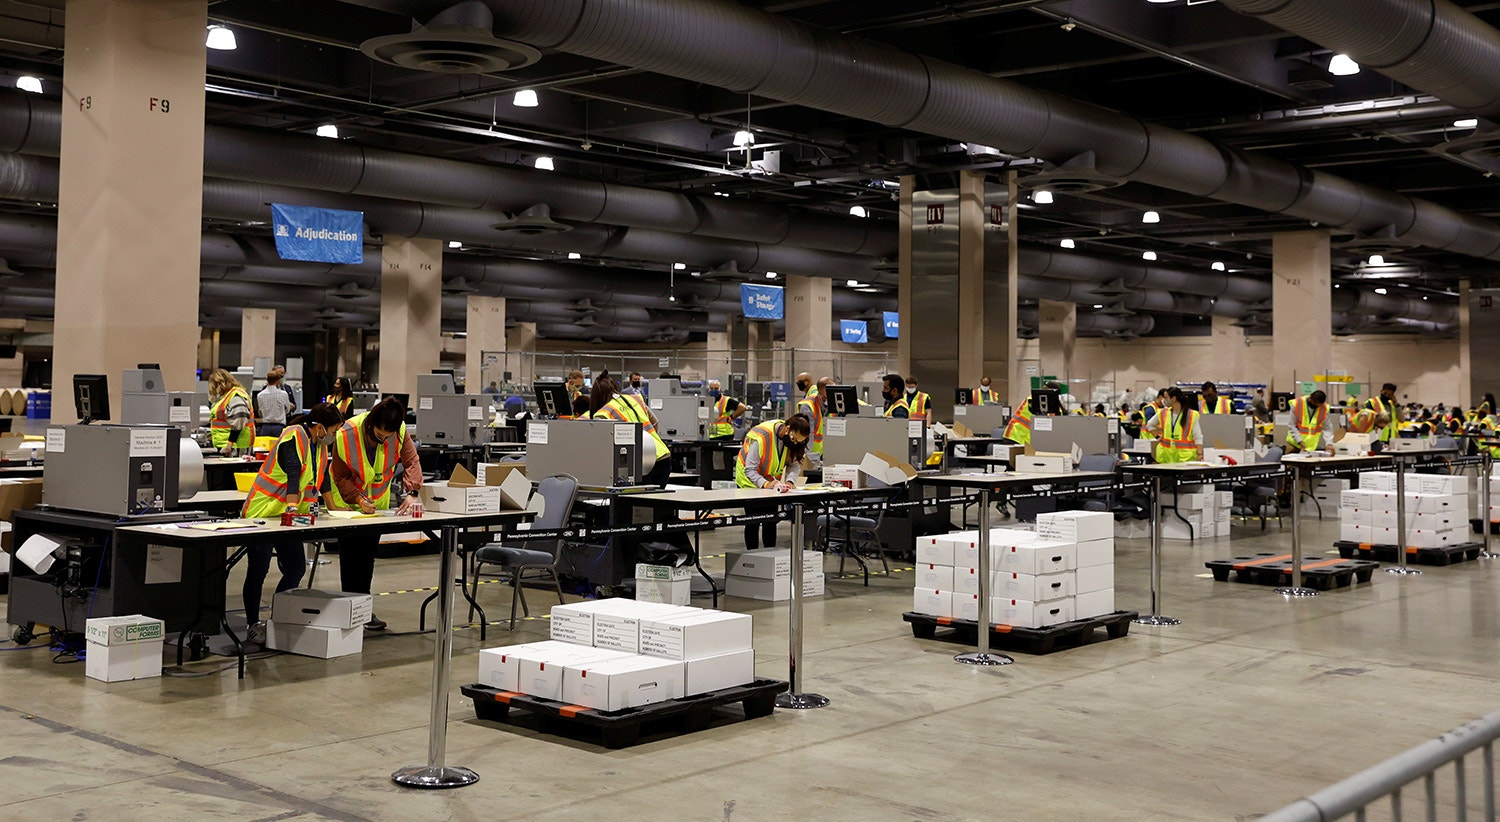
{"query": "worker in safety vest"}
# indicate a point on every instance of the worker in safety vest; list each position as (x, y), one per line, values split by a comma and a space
(815, 407)
(805, 386)
(1310, 424)
(917, 400)
(1177, 429)
(984, 395)
(1211, 403)
(771, 458)
(727, 409)
(342, 397)
(294, 476)
(1385, 403)
(893, 389)
(1365, 421)
(231, 422)
(1151, 409)
(609, 404)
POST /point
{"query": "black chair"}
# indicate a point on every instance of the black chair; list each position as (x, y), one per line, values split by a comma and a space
(558, 493)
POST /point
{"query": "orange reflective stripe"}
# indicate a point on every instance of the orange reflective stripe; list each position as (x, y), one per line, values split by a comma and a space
(720, 410)
(1240, 566)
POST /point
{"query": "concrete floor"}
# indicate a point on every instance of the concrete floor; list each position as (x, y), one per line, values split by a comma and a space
(1250, 703)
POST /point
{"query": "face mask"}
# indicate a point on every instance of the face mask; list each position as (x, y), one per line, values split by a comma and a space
(635, 383)
(714, 393)
(786, 441)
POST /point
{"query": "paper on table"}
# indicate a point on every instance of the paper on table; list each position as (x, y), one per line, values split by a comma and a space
(36, 552)
(221, 526)
(349, 515)
(163, 564)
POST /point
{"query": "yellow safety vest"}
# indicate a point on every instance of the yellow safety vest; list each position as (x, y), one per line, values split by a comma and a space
(986, 396)
(1363, 421)
(271, 493)
(1377, 404)
(372, 475)
(1221, 406)
(218, 423)
(917, 405)
(772, 455)
(1310, 429)
(1177, 443)
(343, 405)
(631, 408)
(723, 424)
(1019, 428)
(814, 411)
(901, 403)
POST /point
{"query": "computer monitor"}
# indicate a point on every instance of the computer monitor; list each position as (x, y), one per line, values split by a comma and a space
(91, 397)
(552, 399)
(963, 396)
(1046, 402)
(404, 399)
(841, 400)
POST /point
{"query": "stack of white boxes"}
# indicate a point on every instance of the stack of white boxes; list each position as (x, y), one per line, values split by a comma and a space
(663, 584)
(1198, 506)
(1327, 498)
(766, 574)
(323, 624)
(1437, 507)
(613, 654)
(1036, 577)
(123, 647)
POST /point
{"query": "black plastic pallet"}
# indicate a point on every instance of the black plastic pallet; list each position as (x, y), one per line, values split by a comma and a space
(1276, 569)
(1476, 524)
(621, 729)
(1036, 641)
(1442, 555)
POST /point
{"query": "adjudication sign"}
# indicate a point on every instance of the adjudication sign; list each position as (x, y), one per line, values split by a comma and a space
(318, 235)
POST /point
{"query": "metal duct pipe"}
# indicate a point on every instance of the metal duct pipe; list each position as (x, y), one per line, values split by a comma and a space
(1369, 303)
(1139, 324)
(746, 50)
(1432, 46)
(1043, 261)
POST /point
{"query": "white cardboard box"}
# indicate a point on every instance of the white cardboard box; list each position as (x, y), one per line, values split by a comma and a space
(123, 630)
(541, 670)
(328, 609)
(1221, 528)
(500, 667)
(1357, 498)
(1076, 526)
(319, 641)
(1438, 483)
(618, 626)
(1440, 521)
(121, 662)
(1038, 558)
(1032, 586)
(629, 682)
(769, 563)
(691, 636)
(664, 591)
(773, 590)
(1094, 603)
(1225, 499)
(715, 673)
(1183, 502)
(966, 606)
(932, 603)
(1044, 464)
(1378, 481)
(965, 581)
(460, 499)
(1415, 537)
(1028, 614)
(932, 550)
(1097, 551)
(574, 622)
(935, 577)
(1174, 528)
(1351, 532)
(664, 572)
(1094, 578)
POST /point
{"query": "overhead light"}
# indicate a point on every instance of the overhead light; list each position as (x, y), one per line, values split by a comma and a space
(1042, 197)
(1068, 244)
(525, 98)
(1336, 285)
(574, 255)
(1468, 123)
(721, 194)
(220, 38)
(1376, 259)
(671, 298)
(544, 163)
(1424, 296)
(328, 131)
(1149, 256)
(1161, 1)
(1151, 217)
(1380, 291)
(29, 83)
(1342, 66)
(854, 283)
(680, 266)
(857, 211)
(1219, 267)
(770, 275)
(743, 139)
(455, 244)
(1098, 305)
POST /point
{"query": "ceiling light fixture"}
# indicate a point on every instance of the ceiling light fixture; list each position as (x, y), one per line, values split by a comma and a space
(1468, 123)
(853, 283)
(1151, 217)
(1149, 256)
(544, 163)
(220, 38)
(1380, 291)
(1219, 267)
(1342, 66)
(1376, 259)
(574, 255)
(1042, 197)
(743, 139)
(455, 244)
(858, 211)
(679, 266)
(525, 98)
(1068, 244)
(1098, 305)
(29, 83)
(328, 131)
(771, 275)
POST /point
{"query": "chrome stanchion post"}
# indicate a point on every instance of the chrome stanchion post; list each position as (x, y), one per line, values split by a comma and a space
(1484, 503)
(1401, 567)
(435, 774)
(1155, 617)
(981, 655)
(794, 698)
(1296, 589)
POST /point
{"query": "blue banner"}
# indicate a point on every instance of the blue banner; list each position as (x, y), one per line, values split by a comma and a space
(318, 235)
(854, 331)
(780, 391)
(892, 325)
(762, 302)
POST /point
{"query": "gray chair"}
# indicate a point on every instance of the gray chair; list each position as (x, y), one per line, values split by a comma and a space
(1100, 500)
(558, 493)
(1260, 493)
(848, 534)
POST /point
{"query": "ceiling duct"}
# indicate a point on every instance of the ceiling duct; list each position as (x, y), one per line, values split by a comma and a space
(459, 40)
(350, 291)
(6, 271)
(533, 222)
(458, 285)
(1077, 175)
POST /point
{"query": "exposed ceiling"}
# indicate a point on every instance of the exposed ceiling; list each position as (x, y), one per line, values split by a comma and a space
(1193, 65)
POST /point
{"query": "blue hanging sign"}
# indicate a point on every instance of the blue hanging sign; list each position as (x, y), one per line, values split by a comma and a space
(780, 391)
(854, 331)
(318, 235)
(892, 325)
(762, 302)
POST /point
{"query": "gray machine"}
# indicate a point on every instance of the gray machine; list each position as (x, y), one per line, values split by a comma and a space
(663, 387)
(846, 440)
(982, 419)
(1232, 431)
(145, 400)
(681, 418)
(599, 453)
(445, 417)
(1060, 434)
(114, 469)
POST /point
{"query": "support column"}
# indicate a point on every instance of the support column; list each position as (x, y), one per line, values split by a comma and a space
(1058, 327)
(718, 361)
(257, 336)
(351, 358)
(1227, 358)
(520, 344)
(1466, 388)
(809, 323)
(208, 349)
(1301, 307)
(485, 331)
(129, 217)
(410, 311)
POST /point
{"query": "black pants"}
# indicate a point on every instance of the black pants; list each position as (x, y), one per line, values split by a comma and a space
(290, 560)
(357, 563)
(766, 531)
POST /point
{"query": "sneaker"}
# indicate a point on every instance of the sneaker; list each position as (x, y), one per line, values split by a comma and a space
(256, 633)
(375, 624)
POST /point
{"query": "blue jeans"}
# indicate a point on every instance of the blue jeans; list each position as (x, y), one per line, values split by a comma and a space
(290, 558)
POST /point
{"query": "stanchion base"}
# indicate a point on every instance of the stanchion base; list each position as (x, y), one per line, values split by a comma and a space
(1157, 619)
(1407, 571)
(1487, 555)
(801, 702)
(425, 776)
(977, 658)
(1290, 591)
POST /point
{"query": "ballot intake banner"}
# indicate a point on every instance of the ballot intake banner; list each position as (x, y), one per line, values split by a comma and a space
(763, 302)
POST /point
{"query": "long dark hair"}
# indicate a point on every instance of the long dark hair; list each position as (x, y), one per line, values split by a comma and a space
(604, 390)
(341, 388)
(388, 415)
(798, 424)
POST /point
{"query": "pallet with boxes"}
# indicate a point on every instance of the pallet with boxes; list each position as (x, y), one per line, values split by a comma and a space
(1436, 510)
(1195, 511)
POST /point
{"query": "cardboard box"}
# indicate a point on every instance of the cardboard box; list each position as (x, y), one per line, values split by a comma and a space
(696, 635)
(500, 667)
(879, 469)
(966, 606)
(845, 475)
(1189, 526)
(314, 640)
(1353, 532)
(1022, 613)
(629, 682)
(461, 493)
(617, 623)
(965, 581)
(124, 630)
(1096, 552)
(770, 563)
(1415, 537)
(773, 590)
(515, 488)
(1357, 498)
(1094, 578)
(1094, 603)
(935, 577)
(541, 672)
(1440, 521)
(1033, 587)
(574, 622)
(1220, 515)
(1076, 526)
(122, 662)
(1183, 502)
(1044, 464)
(932, 603)
(1221, 529)
(1330, 484)
(1377, 481)
(1040, 558)
(1223, 456)
(667, 572)
(715, 673)
(17, 495)
(327, 609)
(664, 591)
(936, 550)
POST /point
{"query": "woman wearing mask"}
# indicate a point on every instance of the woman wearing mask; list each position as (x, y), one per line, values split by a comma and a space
(231, 423)
(366, 452)
(609, 404)
(726, 410)
(771, 457)
(295, 476)
(342, 397)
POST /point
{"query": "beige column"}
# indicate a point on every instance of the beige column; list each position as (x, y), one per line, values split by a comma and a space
(1058, 327)
(410, 311)
(904, 288)
(351, 351)
(520, 339)
(208, 349)
(809, 324)
(1227, 353)
(257, 335)
(1466, 393)
(718, 361)
(1001, 289)
(129, 217)
(1301, 307)
(972, 216)
(485, 331)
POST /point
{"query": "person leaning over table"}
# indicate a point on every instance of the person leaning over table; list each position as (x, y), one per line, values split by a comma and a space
(295, 476)
(771, 457)
(1311, 430)
(342, 397)
(1178, 430)
(610, 404)
(366, 451)
(231, 423)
